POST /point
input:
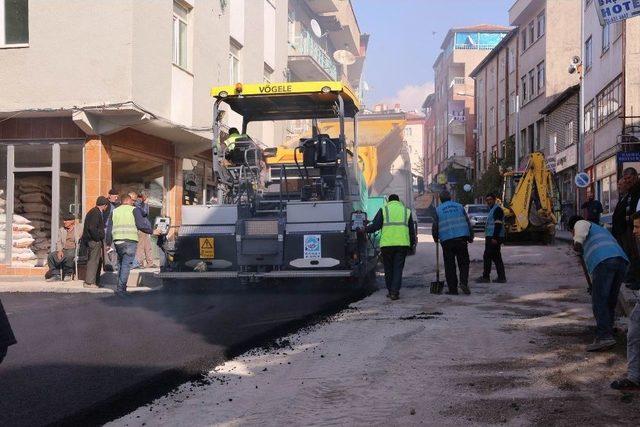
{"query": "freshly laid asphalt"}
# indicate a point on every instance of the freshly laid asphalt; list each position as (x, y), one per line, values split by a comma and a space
(88, 358)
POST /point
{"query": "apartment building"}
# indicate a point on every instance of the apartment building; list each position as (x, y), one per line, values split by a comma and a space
(496, 89)
(547, 42)
(611, 102)
(414, 134)
(454, 107)
(120, 102)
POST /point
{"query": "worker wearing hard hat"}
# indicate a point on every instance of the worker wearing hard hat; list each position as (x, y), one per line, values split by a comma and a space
(452, 228)
(494, 235)
(607, 265)
(397, 240)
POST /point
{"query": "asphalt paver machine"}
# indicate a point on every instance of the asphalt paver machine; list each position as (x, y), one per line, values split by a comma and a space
(275, 220)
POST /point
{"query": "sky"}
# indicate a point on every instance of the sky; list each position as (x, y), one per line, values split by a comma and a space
(405, 40)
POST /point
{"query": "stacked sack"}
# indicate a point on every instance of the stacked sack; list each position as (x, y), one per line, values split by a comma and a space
(33, 202)
(22, 255)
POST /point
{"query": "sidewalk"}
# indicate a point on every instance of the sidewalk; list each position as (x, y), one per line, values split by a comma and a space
(140, 280)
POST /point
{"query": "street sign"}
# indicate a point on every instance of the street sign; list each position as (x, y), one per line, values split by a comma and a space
(582, 180)
(610, 11)
(442, 178)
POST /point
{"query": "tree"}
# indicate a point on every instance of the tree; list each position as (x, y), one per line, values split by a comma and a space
(490, 181)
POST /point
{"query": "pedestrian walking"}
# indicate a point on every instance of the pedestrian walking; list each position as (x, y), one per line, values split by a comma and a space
(93, 236)
(494, 236)
(7, 338)
(592, 208)
(607, 265)
(397, 240)
(127, 220)
(144, 252)
(62, 261)
(632, 380)
(452, 228)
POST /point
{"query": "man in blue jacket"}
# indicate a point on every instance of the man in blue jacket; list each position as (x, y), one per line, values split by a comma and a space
(494, 236)
(452, 228)
(607, 265)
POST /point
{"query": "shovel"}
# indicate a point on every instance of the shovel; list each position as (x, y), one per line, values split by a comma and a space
(586, 274)
(437, 286)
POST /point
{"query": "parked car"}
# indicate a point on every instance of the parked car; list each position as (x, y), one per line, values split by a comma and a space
(477, 215)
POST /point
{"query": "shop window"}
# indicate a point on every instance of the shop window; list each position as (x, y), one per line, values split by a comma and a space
(33, 155)
(14, 22)
(71, 180)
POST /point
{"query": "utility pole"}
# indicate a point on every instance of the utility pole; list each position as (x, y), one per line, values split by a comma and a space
(580, 147)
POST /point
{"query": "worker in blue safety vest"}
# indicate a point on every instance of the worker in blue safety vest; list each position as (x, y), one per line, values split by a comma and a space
(494, 236)
(397, 240)
(452, 228)
(607, 265)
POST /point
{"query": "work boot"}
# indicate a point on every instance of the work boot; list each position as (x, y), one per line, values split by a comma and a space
(601, 344)
(54, 279)
(483, 279)
(499, 280)
(394, 296)
(465, 288)
(452, 292)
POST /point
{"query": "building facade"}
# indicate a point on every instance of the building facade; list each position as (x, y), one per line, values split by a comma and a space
(454, 107)
(547, 43)
(496, 89)
(611, 102)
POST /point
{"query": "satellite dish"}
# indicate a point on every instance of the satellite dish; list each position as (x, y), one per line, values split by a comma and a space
(344, 57)
(315, 27)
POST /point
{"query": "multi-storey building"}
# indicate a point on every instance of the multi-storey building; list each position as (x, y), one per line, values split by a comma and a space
(414, 134)
(496, 88)
(611, 102)
(454, 108)
(547, 42)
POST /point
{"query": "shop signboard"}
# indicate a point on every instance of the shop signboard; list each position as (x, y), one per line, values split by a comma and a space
(629, 159)
(606, 168)
(610, 11)
(566, 158)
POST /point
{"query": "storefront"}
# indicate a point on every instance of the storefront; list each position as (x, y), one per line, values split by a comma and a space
(49, 167)
(566, 161)
(606, 184)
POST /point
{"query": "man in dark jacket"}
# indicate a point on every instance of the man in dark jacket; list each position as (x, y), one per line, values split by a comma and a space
(93, 236)
(110, 257)
(622, 224)
(6, 334)
(592, 208)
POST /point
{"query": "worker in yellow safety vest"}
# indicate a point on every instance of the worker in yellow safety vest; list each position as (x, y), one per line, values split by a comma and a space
(397, 240)
(127, 220)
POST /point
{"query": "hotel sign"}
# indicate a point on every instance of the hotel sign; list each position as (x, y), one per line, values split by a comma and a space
(610, 11)
(566, 158)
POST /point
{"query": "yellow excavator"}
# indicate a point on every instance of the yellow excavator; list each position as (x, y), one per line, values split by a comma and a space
(528, 202)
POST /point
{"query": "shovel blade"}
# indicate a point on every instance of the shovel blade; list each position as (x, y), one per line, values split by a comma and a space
(436, 287)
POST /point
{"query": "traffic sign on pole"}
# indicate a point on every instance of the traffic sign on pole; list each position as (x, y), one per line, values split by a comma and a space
(582, 180)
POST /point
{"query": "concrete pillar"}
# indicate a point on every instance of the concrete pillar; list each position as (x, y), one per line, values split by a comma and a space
(174, 191)
(97, 171)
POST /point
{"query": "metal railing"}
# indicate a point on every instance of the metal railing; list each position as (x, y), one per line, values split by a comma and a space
(306, 44)
(465, 46)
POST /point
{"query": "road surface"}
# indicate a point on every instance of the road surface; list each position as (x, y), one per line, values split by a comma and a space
(87, 358)
(509, 354)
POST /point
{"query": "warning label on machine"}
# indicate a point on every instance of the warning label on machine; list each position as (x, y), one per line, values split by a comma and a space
(312, 246)
(207, 247)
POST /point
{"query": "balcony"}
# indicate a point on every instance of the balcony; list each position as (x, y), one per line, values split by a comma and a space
(308, 60)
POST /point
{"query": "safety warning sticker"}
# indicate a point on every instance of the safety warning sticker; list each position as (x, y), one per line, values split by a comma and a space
(312, 246)
(207, 247)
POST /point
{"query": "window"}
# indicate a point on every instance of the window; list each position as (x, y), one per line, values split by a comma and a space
(14, 22)
(588, 53)
(589, 117)
(609, 101)
(606, 37)
(234, 68)
(492, 117)
(539, 133)
(512, 103)
(523, 36)
(512, 60)
(480, 123)
(180, 35)
(523, 82)
(569, 133)
(532, 34)
(553, 143)
(501, 112)
(532, 84)
(540, 70)
(540, 24)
